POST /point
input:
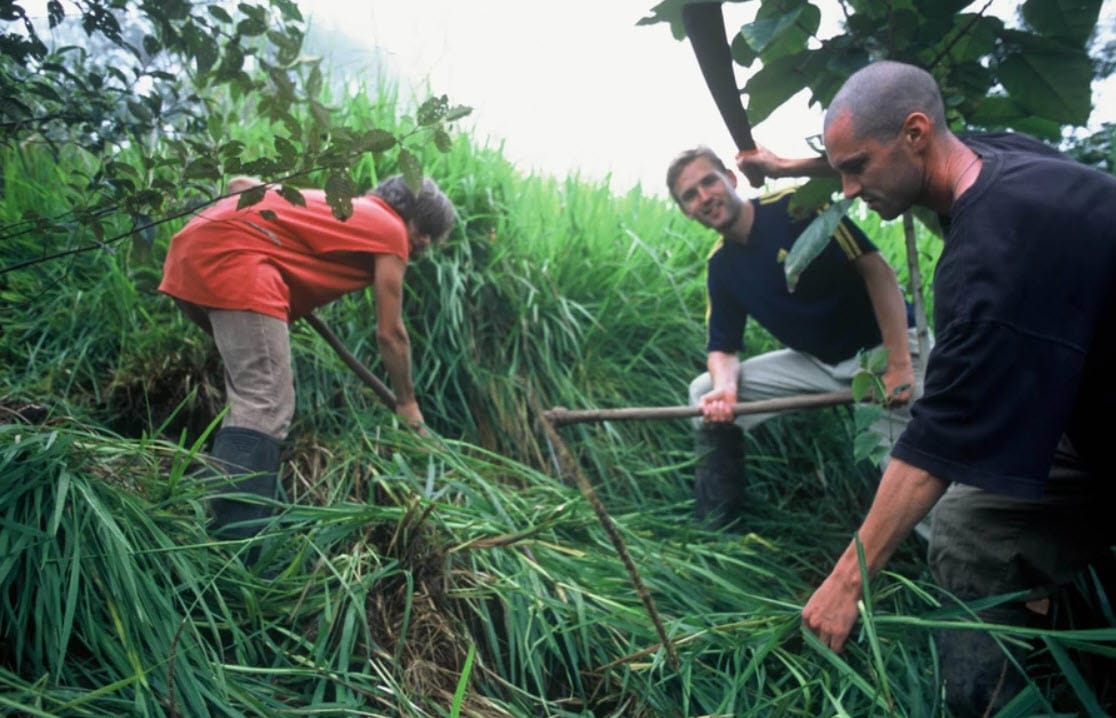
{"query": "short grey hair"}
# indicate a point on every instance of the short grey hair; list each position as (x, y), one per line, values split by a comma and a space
(881, 96)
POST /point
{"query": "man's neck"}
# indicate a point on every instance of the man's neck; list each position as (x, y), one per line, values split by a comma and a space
(741, 229)
(955, 168)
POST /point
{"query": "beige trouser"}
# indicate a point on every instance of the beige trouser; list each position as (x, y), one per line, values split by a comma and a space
(786, 372)
(256, 352)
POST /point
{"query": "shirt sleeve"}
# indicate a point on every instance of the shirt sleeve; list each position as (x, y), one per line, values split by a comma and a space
(852, 240)
(996, 401)
(726, 319)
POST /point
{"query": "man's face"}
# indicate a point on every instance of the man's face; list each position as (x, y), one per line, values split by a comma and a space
(886, 175)
(707, 194)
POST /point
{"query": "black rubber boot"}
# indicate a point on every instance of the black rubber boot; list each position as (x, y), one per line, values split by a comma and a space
(255, 456)
(979, 677)
(719, 478)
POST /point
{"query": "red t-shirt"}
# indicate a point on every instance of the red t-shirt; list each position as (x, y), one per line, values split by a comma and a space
(284, 264)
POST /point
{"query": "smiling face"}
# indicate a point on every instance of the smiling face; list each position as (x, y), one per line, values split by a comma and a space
(888, 175)
(708, 195)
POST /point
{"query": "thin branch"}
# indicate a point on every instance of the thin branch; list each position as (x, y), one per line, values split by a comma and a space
(960, 34)
(565, 460)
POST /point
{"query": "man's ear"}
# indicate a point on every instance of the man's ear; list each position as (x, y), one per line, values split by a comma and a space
(917, 129)
(731, 178)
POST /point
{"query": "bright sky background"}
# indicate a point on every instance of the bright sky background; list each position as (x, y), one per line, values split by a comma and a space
(570, 85)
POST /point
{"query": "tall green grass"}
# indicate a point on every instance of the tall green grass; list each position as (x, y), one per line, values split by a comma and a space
(455, 574)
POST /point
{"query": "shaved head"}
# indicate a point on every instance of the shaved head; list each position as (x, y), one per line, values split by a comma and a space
(880, 97)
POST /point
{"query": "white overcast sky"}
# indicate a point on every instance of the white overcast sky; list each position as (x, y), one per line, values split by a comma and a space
(572, 85)
(569, 85)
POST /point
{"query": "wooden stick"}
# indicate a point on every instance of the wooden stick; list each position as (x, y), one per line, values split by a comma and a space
(566, 464)
(561, 415)
(381, 389)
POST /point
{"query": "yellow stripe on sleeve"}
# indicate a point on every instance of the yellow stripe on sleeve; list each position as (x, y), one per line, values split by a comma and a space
(776, 196)
(716, 247)
(845, 239)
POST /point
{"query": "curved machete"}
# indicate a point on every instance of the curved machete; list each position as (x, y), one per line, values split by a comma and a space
(705, 26)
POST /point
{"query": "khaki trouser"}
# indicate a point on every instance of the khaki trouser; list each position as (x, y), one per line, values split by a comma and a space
(787, 372)
(259, 381)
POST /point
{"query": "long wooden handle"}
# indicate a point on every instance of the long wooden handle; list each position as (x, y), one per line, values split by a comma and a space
(561, 415)
(705, 26)
(381, 389)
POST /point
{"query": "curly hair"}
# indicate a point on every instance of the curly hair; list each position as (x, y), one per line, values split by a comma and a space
(430, 209)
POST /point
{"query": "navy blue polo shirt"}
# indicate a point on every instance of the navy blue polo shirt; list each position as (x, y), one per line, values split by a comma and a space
(829, 315)
(1025, 321)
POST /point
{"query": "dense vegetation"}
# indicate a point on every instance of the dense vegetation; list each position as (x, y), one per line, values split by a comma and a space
(461, 573)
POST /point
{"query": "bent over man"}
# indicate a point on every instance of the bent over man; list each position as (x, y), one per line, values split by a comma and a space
(244, 274)
(1007, 439)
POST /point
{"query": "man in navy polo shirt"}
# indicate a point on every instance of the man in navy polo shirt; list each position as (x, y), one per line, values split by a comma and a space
(1006, 442)
(846, 301)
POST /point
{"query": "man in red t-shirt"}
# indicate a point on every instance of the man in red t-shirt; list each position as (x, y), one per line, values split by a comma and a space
(244, 274)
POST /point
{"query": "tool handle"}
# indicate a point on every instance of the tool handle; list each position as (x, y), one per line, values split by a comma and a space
(381, 389)
(561, 415)
(705, 26)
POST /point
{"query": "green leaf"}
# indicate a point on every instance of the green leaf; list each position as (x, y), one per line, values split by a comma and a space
(151, 45)
(231, 63)
(289, 46)
(202, 168)
(251, 196)
(1049, 81)
(812, 241)
(283, 84)
(289, 8)
(286, 149)
(742, 52)
(973, 37)
(762, 32)
(457, 112)
(219, 13)
(812, 196)
(774, 84)
(203, 48)
(292, 195)
(139, 111)
(790, 38)
(866, 414)
(411, 168)
(1070, 20)
(250, 27)
(432, 110)
(314, 81)
(55, 14)
(876, 360)
(339, 191)
(863, 384)
(377, 140)
(442, 140)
